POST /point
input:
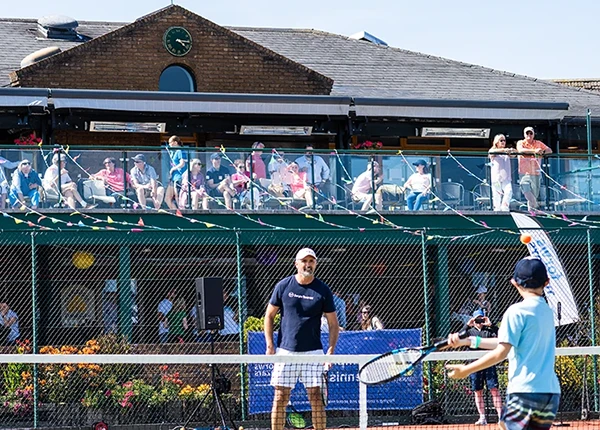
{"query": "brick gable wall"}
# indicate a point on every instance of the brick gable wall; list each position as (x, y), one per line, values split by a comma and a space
(133, 57)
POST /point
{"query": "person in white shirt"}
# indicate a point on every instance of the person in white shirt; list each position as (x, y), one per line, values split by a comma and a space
(362, 190)
(164, 307)
(419, 184)
(500, 173)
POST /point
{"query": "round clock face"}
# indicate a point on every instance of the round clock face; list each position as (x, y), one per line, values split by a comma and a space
(177, 41)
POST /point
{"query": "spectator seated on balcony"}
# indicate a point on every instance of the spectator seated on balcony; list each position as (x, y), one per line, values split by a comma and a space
(218, 181)
(4, 163)
(419, 184)
(240, 182)
(365, 185)
(301, 189)
(193, 182)
(144, 181)
(114, 178)
(281, 177)
(25, 183)
(67, 186)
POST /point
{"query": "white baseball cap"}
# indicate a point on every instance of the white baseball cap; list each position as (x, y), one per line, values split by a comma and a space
(305, 252)
(526, 129)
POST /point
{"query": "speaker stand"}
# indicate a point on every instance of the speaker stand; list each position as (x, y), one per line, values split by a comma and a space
(216, 389)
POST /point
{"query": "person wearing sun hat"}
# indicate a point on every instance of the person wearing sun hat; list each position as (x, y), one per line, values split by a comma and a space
(528, 338)
(530, 152)
(303, 299)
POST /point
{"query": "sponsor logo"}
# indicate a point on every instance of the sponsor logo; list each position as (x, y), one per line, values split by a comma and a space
(300, 296)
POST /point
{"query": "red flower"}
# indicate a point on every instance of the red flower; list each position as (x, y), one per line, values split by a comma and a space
(30, 139)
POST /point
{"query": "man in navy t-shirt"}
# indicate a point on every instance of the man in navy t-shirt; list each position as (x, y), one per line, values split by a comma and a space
(303, 300)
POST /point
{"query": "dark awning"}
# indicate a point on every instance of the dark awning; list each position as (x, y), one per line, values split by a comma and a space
(156, 101)
(460, 109)
(23, 97)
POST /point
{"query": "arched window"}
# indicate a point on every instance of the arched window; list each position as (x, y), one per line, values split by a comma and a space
(176, 78)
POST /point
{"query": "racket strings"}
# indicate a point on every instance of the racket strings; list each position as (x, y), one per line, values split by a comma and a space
(389, 366)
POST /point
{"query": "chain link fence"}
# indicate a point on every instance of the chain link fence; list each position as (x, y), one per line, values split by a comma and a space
(104, 293)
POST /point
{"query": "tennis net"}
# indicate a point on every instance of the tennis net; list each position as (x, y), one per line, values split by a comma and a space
(78, 389)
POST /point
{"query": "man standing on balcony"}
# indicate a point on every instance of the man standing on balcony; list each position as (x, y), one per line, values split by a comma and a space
(316, 170)
(530, 152)
(303, 299)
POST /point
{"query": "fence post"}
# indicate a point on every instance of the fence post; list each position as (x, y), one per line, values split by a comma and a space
(442, 292)
(124, 291)
(238, 254)
(426, 303)
(592, 315)
(34, 328)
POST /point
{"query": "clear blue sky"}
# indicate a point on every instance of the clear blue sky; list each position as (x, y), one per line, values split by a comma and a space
(544, 39)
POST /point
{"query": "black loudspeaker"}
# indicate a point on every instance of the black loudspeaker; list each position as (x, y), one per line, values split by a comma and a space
(209, 303)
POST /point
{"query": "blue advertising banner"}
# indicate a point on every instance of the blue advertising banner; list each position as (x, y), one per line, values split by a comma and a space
(403, 393)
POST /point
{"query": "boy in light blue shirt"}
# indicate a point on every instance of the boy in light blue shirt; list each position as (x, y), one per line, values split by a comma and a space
(528, 338)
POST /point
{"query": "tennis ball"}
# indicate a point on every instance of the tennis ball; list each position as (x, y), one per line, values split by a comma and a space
(525, 238)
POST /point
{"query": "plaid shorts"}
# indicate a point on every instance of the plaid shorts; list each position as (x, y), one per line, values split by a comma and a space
(288, 374)
(532, 411)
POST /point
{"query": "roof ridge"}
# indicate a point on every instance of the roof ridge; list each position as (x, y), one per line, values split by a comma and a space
(152, 15)
(35, 20)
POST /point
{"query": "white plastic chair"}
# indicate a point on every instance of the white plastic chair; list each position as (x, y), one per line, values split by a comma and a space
(93, 190)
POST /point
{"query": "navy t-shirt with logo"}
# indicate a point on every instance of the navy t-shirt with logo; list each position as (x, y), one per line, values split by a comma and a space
(301, 309)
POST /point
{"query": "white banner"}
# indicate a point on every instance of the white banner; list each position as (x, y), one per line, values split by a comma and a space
(559, 288)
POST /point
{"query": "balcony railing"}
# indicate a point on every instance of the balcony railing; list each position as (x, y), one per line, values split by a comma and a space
(294, 180)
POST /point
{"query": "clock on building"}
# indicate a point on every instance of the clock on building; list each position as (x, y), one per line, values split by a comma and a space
(177, 41)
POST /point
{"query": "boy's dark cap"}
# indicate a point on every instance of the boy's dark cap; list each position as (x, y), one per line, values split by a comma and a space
(530, 272)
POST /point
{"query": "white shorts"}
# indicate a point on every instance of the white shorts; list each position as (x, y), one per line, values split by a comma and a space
(287, 374)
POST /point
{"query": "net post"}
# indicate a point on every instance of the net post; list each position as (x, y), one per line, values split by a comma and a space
(363, 416)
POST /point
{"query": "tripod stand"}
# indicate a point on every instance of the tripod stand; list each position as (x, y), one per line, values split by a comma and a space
(219, 385)
(559, 371)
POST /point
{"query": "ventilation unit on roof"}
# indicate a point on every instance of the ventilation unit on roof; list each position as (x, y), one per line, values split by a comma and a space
(58, 27)
(39, 55)
(363, 35)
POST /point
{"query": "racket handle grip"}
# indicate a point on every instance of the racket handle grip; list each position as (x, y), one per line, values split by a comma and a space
(442, 343)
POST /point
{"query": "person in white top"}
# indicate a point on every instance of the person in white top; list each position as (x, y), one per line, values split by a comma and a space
(500, 173)
(362, 190)
(419, 184)
(68, 188)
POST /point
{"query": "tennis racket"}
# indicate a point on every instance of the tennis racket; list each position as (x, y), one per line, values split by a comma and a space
(325, 387)
(398, 362)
